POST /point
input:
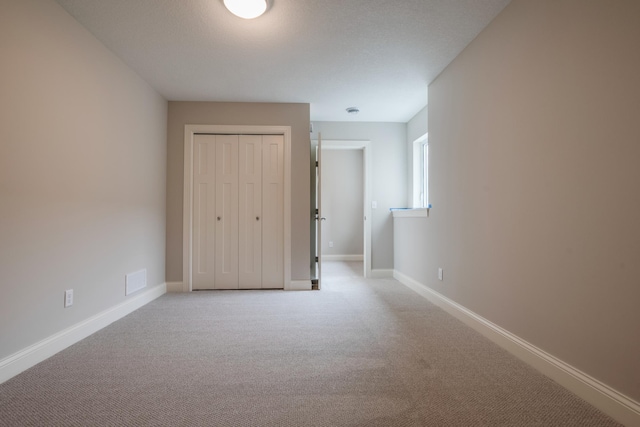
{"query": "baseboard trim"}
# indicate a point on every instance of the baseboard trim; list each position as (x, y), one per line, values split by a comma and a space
(381, 274)
(613, 403)
(299, 285)
(296, 285)
(175, 287)
(30, 356)
(343, 257)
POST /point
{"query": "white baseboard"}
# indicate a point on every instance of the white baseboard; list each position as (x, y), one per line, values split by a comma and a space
(175, 287)
(613, 403)
(343, 257)
(24, 359)
(381, 274)
(299, 285)
(296, 285)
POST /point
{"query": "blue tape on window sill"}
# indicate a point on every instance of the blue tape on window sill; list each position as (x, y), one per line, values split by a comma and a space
(411, 209)
(410, 212)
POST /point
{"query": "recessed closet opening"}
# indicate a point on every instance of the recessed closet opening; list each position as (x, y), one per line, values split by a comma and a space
(237, 207)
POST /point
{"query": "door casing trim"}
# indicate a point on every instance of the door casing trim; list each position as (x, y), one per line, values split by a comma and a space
(190, 130)
(367, 158)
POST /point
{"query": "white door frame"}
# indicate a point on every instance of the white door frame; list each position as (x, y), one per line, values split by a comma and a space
(187, 215)
(365, 146)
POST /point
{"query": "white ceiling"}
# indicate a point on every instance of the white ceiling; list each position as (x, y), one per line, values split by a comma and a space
(378, 55)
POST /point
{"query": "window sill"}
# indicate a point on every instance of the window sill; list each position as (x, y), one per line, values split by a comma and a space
(410, 212)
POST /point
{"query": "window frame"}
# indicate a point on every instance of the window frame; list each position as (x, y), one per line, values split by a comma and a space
(424, 174)
(420, 172)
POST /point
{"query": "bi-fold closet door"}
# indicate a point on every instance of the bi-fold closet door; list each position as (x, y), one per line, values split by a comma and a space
(238, 212)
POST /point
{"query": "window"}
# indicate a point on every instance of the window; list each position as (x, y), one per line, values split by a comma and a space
(421, 172)
(424, 181)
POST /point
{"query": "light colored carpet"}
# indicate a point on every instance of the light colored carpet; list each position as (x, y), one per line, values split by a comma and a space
(357, 353)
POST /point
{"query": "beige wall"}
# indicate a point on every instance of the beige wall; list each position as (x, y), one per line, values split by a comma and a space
(82, 174)
(535, 173)
(417, 126)
(342, 202)
(229, 113)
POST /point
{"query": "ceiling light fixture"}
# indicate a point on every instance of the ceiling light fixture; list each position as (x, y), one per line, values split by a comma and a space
(353, 110)
(247, 9)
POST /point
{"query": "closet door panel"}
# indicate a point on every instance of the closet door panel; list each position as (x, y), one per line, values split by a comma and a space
(203, 220)
(273, 211)
(250, 207)
(226, 276)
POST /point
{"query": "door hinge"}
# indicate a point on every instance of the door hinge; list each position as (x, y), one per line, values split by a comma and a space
(316, 259)
(317, 164)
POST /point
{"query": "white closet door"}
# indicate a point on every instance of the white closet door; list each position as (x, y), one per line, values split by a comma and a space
(204, 215)
(273, 211)
(250, 206)
(226, 256)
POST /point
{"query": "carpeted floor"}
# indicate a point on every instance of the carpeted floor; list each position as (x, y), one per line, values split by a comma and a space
(357, 353)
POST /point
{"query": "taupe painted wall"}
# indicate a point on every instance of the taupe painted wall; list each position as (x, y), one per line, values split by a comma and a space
(389, 177)
(342, 202)
(417, 126)
(535, 173)
(231, 113)
(82, 174)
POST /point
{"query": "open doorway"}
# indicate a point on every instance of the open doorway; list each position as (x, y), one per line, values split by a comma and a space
(342, 240)
(346, 204)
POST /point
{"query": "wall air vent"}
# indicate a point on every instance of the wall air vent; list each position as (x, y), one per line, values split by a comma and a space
(135, 281)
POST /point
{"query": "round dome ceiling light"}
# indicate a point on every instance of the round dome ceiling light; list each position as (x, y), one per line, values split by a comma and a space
(353, 110)
(247, 9)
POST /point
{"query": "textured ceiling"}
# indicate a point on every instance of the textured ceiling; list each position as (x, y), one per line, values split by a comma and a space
(378, 55)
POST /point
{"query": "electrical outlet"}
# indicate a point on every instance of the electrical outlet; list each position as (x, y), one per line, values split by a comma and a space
(68, 298)
(330, 244)
(440, 274)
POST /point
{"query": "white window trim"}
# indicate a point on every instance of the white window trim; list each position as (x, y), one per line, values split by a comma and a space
(416, 200)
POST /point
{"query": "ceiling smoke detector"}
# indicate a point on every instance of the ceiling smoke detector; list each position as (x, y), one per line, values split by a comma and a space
(353, 110)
